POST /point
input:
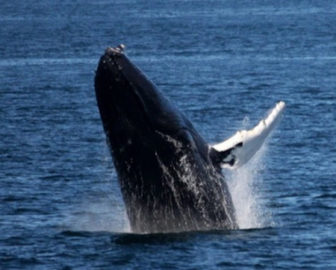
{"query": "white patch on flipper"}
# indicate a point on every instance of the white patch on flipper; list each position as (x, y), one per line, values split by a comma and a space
(252, 139)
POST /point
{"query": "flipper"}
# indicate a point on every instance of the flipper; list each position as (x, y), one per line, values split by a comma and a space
(240, 148)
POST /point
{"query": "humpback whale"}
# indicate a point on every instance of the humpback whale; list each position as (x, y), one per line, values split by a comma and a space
(170, 178)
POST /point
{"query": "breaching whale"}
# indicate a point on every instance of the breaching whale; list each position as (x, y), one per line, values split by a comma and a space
(170, 178)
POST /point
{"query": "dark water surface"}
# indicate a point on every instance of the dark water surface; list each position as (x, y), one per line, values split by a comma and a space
(220, 62)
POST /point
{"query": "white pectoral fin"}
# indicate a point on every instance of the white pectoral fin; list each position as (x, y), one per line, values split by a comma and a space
(240, 148)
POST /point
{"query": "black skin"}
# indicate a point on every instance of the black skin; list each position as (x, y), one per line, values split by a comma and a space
(169, 177)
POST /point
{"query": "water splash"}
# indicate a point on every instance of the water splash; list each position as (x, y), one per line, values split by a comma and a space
(245, 185)
(104, 215)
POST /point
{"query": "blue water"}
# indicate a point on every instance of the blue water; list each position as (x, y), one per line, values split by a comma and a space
(224, 63)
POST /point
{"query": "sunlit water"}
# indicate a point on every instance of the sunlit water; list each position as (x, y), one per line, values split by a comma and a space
(219, 62)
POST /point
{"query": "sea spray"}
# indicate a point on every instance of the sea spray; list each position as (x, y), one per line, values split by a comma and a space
(103, 215)
(245, 184)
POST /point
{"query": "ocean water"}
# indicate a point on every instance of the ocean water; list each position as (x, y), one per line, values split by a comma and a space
(224, 63)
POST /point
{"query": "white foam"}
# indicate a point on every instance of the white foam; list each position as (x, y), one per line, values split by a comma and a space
(245, 184)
